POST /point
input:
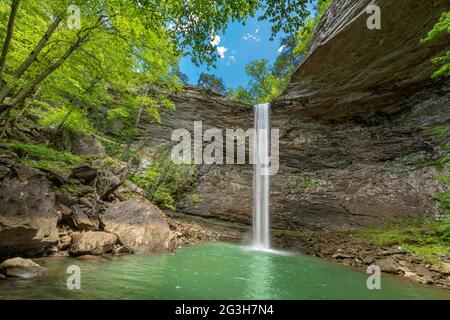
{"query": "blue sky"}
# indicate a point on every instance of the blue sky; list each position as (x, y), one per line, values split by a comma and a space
(243, 44)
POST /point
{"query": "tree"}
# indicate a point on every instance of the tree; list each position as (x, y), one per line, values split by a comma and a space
(44, 43)
(263, 85)
(241, 94)
(212, 82)
(8, 37)
(269, 81)
(193, 22)
(77, 71)
(182, 76)
(286, 60)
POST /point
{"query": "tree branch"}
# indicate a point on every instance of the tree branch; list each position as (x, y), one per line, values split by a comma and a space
(9, 34)
(6, 90)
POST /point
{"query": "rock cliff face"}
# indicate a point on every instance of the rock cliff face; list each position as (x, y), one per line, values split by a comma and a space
(354, 126)
(353, 71)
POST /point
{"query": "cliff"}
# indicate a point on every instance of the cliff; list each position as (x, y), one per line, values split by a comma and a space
(354, 123)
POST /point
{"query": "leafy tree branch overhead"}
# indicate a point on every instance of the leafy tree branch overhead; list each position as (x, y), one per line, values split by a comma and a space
(121, 46)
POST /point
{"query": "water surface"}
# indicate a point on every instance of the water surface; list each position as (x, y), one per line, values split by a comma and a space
(211, 271)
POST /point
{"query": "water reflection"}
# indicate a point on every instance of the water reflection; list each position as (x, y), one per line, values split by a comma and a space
(260, 276)
(210, 271)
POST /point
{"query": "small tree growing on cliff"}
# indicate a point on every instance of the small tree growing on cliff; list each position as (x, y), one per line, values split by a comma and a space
(212, 82)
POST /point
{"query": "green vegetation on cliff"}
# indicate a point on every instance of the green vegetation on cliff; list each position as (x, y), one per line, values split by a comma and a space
(165, 183)
(443, 26)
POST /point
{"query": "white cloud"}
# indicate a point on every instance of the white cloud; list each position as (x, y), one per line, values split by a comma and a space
(251, 36)
(257, 30)
(222, 51)
(215, 40)
(281, 49)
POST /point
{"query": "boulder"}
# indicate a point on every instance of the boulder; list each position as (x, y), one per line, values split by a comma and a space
(66, 200)
(64, 242)
(388, 265)
(20, 268)
(111, 177)
(84, 172)
(92, 243)
(87, 146)
(28, 215)
(66, 213)
(57, 177)
(443, 268)
(140, 227)
(80, 220)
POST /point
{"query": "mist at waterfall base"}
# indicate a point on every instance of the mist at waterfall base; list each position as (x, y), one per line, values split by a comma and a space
(261, 147)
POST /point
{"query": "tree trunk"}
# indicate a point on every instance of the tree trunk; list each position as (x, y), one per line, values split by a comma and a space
(30, 59)
(72, 109)
(23, 94)
(63, 121)
(138, 119)
(9, 33)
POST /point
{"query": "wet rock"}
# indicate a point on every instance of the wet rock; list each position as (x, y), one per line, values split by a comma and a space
(388, 265)
(368, 260)
(80, 220)
(140, 227)
(20, 268)
(92, 243)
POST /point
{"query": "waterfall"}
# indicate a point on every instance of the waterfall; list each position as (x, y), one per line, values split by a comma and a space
(261, 158)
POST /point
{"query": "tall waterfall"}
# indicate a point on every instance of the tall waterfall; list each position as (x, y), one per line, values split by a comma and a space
(261, 158)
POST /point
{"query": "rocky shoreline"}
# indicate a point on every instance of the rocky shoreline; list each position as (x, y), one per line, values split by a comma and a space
(55, 213)
(349, 248)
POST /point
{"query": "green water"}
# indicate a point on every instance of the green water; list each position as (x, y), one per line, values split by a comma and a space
(210, 271)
